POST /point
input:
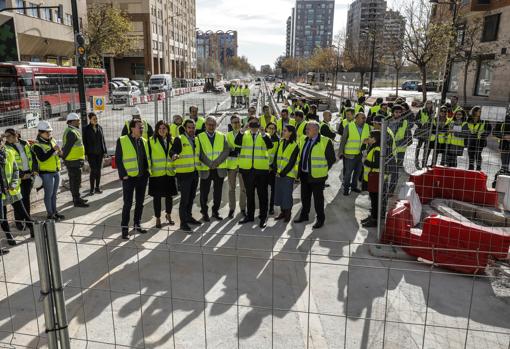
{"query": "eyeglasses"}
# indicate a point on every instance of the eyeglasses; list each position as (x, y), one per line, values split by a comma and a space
(235, 122)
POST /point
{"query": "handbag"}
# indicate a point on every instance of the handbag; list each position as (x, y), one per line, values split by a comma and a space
(373, 182)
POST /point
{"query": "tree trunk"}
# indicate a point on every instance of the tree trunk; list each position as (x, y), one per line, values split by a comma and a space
(396, 83)
(464, 83)
(424, 82)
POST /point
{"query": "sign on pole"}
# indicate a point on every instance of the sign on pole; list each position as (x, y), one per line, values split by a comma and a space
(32, 116)
(99, 103)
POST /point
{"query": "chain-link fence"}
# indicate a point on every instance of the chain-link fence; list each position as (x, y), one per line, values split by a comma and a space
(231, 289)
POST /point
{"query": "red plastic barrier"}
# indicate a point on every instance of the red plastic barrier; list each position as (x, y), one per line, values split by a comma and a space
(454, 183)
(114, 163)
(472, 244)
(398, 224)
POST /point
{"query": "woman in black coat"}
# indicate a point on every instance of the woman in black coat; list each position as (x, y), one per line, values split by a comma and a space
(95, 150)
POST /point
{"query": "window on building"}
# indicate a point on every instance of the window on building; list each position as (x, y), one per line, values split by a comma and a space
(484, 78)
(33, 10)
(46, 14)
(490, 28)
(20, 3)
(454, 77)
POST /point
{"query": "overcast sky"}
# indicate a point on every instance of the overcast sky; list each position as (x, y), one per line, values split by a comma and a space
(261, 24)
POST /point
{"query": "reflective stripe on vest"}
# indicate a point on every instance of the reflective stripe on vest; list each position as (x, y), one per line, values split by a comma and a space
(253, 154)
(272, 152)
(9, 169)
(188, 158)
(130, 155)
(454, 140)
(399, 136)
(355, 140)
(211, 152)
(370, 158)
(53, 163)
(283, 158)
(162, 164)
(17, 156)
(477, 129)
(77, 150)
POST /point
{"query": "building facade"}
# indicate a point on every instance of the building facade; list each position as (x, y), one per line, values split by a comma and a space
(38, 34)
(311, 26)
(394, 32)
(488, 72)
(364, 20)
(164, 31)
(216, 46)
(288, 36)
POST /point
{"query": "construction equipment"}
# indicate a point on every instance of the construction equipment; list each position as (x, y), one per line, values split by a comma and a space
(210, 86)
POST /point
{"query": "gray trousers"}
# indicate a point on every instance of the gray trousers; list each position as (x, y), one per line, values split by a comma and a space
(232, 175)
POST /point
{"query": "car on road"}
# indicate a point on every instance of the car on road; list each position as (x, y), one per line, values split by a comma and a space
(122, 94)
(430, 86)
(160, 83)
(410, 85)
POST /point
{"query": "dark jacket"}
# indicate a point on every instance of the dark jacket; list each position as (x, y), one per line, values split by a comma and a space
(150, 131)
(330, 158)
(120, 166)
(93, 140)
(326, 132)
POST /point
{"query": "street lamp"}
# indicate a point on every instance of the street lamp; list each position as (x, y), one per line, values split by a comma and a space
(371, 33)
(449, 60)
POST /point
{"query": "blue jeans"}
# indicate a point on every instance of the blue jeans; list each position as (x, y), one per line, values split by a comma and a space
(352, 171)
(51, 182)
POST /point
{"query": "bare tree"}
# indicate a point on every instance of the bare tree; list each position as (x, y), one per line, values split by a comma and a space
(394, 58)
(357, 58)
(423, 40)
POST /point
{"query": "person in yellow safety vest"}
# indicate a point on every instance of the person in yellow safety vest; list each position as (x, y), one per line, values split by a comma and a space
(271, 131)
(185, 152)
(374, 109)
(73, 153)
(327, 129)
(239, 95)
(281, 90)
(371, 165)
(176, 126)
(300, 126)
(136, 115)
(11, 192)
(162, 180)
(401, 129)
(316, 157)
(47, 153)
(252, 113)
(422, 121)
(304, 106)
(277, 90)
(134, 168)
(233, 169)
(437, 139)
(287, 169)
(458, 132)
(214, 151)
(284, 120)
(294, 106)
(348, 118)
(266, 117)
(360, 105)
(353, 143)
(254, 167)
(199, 120)
(246, 96)
(479, 130)
(454, 107)
(233, 94)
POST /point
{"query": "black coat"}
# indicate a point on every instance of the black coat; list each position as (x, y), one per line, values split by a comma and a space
(94, 141)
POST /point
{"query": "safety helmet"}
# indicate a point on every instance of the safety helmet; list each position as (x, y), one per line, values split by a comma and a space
(38, 183)
(135, 111)
(44, 126)
(72, 117)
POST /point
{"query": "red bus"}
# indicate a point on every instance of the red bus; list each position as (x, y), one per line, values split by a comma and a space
(56, 86)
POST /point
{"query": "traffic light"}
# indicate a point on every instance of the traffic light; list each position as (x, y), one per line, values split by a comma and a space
(80, 50)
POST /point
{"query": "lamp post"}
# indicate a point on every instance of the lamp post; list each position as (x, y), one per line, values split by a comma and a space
(370, 32)
(449, 61)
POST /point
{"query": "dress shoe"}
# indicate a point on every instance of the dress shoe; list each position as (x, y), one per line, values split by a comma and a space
(280, 216)
(81, 204)
(83, 200)
(139, 230)
(288, 214)
(318, 224)
(271, 211)
(158, 223)
(91, 192)
(263, 223)
(356, 190)
(59, 216)
(246, 220)
(186, 228)
(243, 212)
(11, 242)
(372, 223)
(217, 216)
(206, 218)
(98, 191)
(169, 219)
(346, 192)
(3, 252)
(231, 214)
(125, 235)
(301, 219)
(194, 221)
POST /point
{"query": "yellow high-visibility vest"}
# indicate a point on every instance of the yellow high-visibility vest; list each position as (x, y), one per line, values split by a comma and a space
(17, 156)
(232, 161)
(130, 155)
(211, 152)
(78, 150)
(162, 163)
(283, 158)
(9, 169)
(253, 154)
(355, 140)
(188, 159)
(279, 125)
(53, 163)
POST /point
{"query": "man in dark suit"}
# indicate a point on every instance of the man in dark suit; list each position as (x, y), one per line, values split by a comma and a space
(317, 157)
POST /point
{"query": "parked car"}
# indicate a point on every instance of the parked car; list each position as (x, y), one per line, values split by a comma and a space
(410, 85)
(123, 93)
(430, 86)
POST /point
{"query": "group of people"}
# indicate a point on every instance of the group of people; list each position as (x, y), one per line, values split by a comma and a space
(239, 95)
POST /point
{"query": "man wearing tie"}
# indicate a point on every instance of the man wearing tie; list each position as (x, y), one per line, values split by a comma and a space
(317, 156)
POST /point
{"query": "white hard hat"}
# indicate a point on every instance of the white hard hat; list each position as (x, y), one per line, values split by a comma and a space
(72, 117)
(38, 183)
(135, 111)
(44, 126)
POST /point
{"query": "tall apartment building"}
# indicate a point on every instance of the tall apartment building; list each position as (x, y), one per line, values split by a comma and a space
(164, 31)
(365, 18)
(488, 74)
(217, 45)
(311, 26)
(38, 35)
(394, 31)
(288, 37)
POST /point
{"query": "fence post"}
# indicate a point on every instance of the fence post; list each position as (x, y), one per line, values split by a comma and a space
(58, 290)
(203, 105)
(183, 108)
(44, 280)
(156, 111)
(382, 165)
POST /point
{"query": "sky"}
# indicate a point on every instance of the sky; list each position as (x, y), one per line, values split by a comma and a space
(260, 24)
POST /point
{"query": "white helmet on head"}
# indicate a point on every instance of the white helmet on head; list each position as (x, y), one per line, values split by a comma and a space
(44, 126)
(135, 111)
(72, 117)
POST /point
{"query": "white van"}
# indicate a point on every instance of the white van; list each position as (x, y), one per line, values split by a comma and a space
(160, 83)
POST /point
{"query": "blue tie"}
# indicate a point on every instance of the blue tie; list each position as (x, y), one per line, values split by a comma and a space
(306, 153)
